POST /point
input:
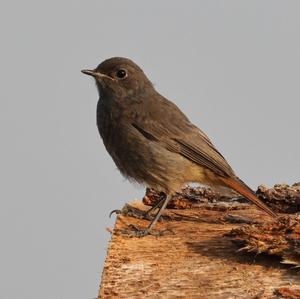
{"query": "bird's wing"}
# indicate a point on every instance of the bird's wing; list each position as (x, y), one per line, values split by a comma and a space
(188, 141)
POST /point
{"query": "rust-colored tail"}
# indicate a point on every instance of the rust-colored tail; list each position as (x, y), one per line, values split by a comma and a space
(244, 190)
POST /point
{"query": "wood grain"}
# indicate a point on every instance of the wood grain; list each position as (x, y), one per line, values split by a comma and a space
(197, 261)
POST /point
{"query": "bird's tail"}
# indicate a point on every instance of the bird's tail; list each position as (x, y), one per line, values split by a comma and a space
(240, 187)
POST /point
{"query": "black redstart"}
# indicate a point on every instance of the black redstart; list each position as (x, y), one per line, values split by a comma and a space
(151, 141)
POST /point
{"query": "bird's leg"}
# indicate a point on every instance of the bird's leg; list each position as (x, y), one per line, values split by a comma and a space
(161, 209)
(128, 210)
(148, 230)
(157, 205)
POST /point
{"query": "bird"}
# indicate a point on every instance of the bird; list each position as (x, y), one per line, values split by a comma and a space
(152, 142)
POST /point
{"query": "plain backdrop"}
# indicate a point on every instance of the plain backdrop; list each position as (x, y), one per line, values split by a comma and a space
(232, 66)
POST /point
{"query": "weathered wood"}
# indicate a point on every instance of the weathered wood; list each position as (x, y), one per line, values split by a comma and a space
(197, 261)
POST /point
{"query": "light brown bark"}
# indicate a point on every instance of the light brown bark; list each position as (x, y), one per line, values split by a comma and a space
(197, 261)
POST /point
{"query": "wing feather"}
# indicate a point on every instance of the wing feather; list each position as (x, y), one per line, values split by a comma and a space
(191, 144)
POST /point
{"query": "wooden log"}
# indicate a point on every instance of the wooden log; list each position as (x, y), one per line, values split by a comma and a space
(197, 260)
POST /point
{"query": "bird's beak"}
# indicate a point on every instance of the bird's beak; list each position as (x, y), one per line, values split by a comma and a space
(97, 75)
(93, 73)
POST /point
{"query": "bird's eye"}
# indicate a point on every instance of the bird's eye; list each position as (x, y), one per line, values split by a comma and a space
(121, 74)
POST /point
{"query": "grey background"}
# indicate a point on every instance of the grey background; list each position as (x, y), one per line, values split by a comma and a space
(232, 66)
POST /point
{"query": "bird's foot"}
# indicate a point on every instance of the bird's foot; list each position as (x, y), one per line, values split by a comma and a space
(131, 211)
(139, 233)
(134, 212)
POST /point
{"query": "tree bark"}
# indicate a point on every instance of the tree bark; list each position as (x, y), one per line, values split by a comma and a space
(197, 260)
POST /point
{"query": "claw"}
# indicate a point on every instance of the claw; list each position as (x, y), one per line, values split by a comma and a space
(131, 211)
(139, 233)
(115, 211)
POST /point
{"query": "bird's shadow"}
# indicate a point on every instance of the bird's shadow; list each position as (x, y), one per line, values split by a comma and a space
(223, 248)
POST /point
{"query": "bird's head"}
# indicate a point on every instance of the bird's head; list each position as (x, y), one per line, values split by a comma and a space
(119, 77)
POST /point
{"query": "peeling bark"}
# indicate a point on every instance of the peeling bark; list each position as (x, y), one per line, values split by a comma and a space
(202, 257)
